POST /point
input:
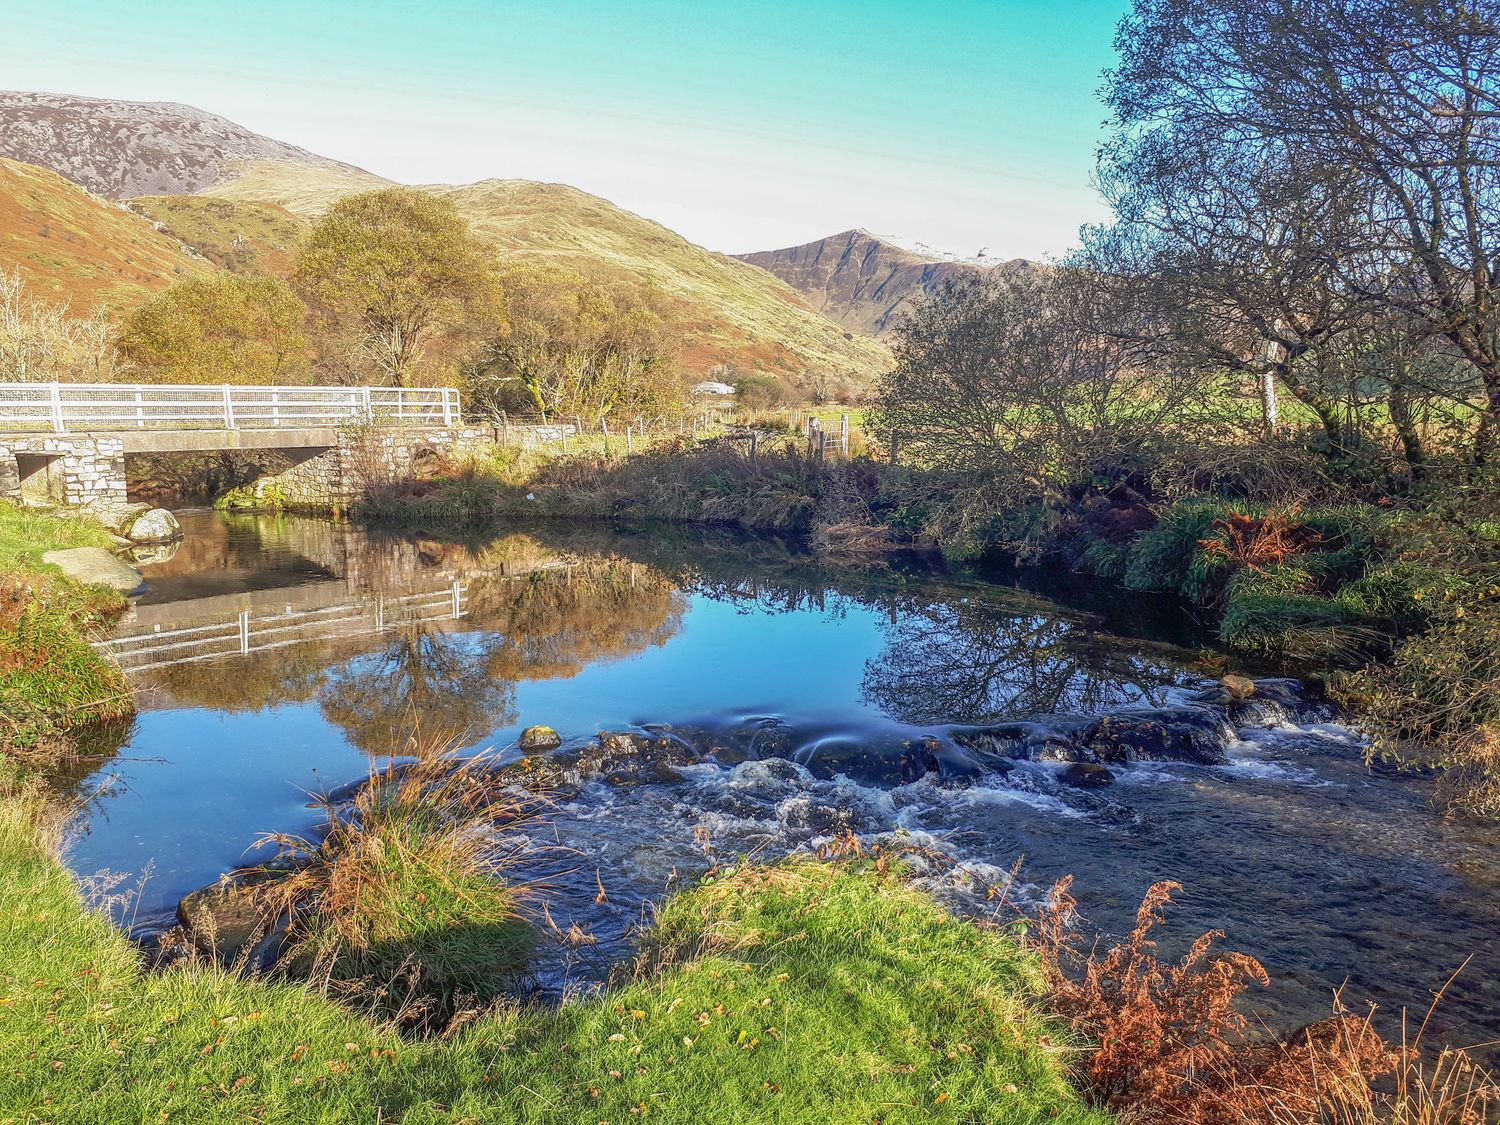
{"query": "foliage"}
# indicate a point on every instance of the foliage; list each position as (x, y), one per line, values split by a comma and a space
(1172, 1042)
(223, 328)
(1021, 373)
(386, 273)
(52, 681)
(575, 345)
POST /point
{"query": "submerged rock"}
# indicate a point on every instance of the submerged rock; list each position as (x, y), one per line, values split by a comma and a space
(1188, 734)
(538, 738)
(96, 566)
(1087, 775)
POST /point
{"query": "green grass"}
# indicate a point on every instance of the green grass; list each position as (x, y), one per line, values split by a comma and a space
(795, 993)
(51, 680)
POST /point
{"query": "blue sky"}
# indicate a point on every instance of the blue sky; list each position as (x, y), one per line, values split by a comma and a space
(964, 125)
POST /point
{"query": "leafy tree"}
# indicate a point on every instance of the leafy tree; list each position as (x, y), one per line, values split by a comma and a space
(223, 328)
(1397, 99)
(578, 345)
(385, 274)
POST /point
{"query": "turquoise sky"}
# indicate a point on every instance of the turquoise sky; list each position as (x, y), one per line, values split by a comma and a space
(760, 124)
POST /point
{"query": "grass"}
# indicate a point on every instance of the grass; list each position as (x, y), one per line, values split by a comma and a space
(51, 681)
(798, 992)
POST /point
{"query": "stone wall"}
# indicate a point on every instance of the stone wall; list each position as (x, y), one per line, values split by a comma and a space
(361, 459)
(59, 469)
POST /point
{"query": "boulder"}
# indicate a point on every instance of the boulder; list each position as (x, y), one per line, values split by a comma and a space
(118, 517)
(1087, 775)
(1239, 687)
(96, 566)
(155, 526)
(537, 739)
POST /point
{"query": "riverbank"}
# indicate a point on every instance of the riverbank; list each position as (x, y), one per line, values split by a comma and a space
(52, 683)
(797, 992)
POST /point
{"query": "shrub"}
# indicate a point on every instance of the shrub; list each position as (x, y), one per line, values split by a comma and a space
(1164, 558)
(1172, 1044)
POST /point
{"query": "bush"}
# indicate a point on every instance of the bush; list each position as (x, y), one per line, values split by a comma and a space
(1168, 557)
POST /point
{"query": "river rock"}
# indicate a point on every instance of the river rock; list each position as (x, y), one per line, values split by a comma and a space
(118, 517)
(536, 739)
(96, 566)
(155, 526)
(1187, 734)
(224, 920)
(1087, 775)
(1239, 687)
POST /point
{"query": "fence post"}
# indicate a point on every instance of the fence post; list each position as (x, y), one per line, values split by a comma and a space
(244, 632)
(844, 435)
(822, 444)
(275, 409)
(140, 410)
(369, 410)
(57, 418)
(458, 593)
(447, 406)
(228, 409)
(629, 446)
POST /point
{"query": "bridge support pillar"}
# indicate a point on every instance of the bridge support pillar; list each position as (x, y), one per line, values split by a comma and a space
(62, 469)
(336, 476)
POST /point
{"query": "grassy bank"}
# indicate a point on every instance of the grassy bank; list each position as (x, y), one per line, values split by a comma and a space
(51, 681)
(799, 992)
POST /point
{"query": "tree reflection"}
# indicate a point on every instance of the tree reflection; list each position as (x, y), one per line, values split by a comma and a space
(424, 688)
(968, 662)
(553, 624)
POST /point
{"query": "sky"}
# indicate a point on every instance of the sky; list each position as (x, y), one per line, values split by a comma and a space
(965, 125)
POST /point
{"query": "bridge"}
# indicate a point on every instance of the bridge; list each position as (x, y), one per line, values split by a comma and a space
(67, 442)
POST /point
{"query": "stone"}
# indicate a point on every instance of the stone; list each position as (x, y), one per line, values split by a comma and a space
(226, 922)
(1087, 775)
(1187, 734)
(1239, 687)
(96, 566)
(117, 518)
(536, 739)
(155, 526)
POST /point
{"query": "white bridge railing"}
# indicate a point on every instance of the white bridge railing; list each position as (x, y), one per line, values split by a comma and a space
(65, 407)
(245, 632)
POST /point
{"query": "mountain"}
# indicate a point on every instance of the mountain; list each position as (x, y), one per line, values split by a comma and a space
(861, 281)
(79, 249)
(121, 149)
(733, 313)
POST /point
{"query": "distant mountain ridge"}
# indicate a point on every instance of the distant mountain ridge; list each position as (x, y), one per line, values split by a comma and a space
(122, 149)
(862, 281)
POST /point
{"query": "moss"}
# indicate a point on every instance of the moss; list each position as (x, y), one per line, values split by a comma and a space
(260, 496)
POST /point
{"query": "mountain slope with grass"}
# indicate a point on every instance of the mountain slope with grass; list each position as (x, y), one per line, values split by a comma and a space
(121, 148)
(733, 314)
(77, 248)
(862, 281)
(242, 237)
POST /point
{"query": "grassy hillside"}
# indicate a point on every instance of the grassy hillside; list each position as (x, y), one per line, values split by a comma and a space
(732, 312)
(80, 249)
(242, 237)
(304, 189)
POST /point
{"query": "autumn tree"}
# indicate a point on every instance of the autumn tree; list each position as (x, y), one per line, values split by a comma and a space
(387, 274)
(223, 328)
(578, 345)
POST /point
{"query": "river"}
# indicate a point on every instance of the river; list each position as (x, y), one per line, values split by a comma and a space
(279, 658)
